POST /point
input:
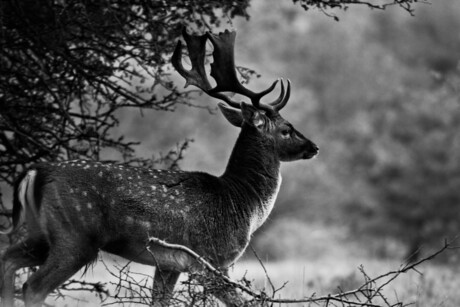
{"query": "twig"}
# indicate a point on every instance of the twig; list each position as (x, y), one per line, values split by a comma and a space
(369, 289)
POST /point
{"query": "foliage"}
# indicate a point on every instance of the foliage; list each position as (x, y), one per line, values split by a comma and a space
(68, 66)
(407, 154)
(417, 180)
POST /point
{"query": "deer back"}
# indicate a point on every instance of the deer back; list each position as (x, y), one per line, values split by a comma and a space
(118, 208)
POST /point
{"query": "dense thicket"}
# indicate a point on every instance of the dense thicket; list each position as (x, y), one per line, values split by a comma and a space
(67, 66)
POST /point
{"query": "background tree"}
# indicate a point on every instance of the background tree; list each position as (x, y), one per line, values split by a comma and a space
(406, 153)
(363, 85)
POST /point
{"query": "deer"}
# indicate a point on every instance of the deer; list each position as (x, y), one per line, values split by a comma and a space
(74, 209)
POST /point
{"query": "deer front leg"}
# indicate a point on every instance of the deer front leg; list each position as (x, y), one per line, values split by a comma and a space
(163, 286)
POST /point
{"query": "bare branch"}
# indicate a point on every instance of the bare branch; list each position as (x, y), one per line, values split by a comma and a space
(365, 295)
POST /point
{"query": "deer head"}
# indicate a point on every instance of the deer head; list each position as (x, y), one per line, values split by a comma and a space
(263, 119)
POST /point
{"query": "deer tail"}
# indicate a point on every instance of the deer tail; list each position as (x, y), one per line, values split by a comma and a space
(23, 199)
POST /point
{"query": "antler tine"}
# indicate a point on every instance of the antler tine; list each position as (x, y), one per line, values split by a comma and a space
(268, 90)
(284, 101)
(280, 97)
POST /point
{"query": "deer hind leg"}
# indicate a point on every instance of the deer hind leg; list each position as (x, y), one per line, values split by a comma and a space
(163, 286)
(28, 253)
(65, 258)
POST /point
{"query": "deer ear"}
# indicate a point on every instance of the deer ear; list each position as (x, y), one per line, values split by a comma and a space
(252, 116)
(232, 115)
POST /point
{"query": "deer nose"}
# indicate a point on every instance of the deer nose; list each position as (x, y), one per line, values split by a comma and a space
(311, 152)
(315, 148)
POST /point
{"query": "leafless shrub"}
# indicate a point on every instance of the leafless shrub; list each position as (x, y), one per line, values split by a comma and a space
(136, 288)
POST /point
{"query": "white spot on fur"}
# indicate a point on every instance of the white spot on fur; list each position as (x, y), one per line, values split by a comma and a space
(145, 224)
(100, 174)
(153, 187)
(78, 208)
(85, 193)
(165, 189)
(89, 206)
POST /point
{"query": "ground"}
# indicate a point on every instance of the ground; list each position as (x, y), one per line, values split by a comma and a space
(432, 285)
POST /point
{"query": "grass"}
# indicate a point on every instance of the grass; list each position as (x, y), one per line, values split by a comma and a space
(330, 260)
(432, 285)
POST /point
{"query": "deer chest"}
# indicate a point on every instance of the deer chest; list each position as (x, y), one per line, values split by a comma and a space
(264, 208)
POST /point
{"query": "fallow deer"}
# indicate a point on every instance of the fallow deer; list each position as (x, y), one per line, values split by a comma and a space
(74, 209)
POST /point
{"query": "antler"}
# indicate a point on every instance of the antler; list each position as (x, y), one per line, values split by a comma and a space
(222, 70)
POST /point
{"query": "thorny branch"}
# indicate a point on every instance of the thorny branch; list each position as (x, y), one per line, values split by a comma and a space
(136, 288)
(326, 5)
(344, 4)
(369, 294)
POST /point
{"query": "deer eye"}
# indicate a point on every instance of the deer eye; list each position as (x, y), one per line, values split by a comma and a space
(286, 132)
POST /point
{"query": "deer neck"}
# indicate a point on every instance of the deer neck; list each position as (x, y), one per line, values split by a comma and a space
(252, 174)
(253, 157)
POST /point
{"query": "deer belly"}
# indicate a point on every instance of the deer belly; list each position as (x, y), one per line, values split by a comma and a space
(158, 256)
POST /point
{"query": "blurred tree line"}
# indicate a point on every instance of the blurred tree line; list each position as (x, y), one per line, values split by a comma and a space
(67, 68)
(380, 94)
